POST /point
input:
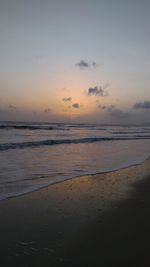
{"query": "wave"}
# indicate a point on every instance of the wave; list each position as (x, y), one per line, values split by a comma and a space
(45, 126)
(29, 187)
(33, 144)
(51, 128)
(32, 127)
(132, 132)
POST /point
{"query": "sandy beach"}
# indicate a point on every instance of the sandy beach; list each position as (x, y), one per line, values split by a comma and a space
(74, 133)
(100, 220)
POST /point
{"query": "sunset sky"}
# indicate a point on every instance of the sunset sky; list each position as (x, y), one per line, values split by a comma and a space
(75, 60)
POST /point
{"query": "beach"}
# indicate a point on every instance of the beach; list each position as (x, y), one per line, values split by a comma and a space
(95, 220)
(74, 133)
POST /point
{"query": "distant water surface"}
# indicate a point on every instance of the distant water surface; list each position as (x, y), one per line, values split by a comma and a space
(35, 155)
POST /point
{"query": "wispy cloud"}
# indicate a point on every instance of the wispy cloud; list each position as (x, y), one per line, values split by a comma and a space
(67, 99)
(12, 107)
(110, 108)
(82, 64)
(114, 111)
(94, 64)
(102, 106)
(47, 110)
(142, 105)
(97, 91)
(117, 113)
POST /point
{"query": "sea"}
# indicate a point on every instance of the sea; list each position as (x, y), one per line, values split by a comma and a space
(36, 155)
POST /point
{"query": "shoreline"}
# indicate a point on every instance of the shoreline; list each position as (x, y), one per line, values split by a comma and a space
(85, 221)
(76, 177)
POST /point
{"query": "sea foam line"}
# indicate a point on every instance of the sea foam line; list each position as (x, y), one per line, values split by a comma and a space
(36, 187)
(33, 144)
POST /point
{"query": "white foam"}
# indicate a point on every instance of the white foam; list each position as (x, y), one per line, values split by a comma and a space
(27, 170)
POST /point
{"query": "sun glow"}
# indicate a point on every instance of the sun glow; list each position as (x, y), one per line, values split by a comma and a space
(73, 103)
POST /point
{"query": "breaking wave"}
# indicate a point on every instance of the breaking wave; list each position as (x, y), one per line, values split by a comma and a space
(33, 144)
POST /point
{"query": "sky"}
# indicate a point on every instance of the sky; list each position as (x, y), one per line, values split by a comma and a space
(75, 61)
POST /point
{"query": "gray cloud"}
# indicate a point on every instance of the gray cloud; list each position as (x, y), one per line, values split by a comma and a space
(47, 110)
(76, 105)
(67, 99)
(12, 107)
(142, 105)
(114, 112)
(101, 106)
(110, 108)
(82, 64)
(94, 64)
(118, 113)
(97, 91)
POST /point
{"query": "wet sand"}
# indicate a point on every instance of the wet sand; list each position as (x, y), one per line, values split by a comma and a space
(101, 220)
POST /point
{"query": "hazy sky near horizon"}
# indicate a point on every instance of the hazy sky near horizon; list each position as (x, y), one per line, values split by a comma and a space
(79, 60)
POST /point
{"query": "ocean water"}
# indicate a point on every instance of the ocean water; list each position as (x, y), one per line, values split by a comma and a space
(35, 155)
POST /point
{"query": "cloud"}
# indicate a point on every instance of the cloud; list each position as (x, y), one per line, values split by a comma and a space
(12, 107)
(101, 106)
(142, 105)
(47, 110)
(110, 108)
(82, 64)
(97, 91)
(114, 112)
(94, 64)
(67, 99)
(118, 113)
(76, 105)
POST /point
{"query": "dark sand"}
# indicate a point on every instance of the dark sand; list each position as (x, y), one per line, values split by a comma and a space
(101, 220)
